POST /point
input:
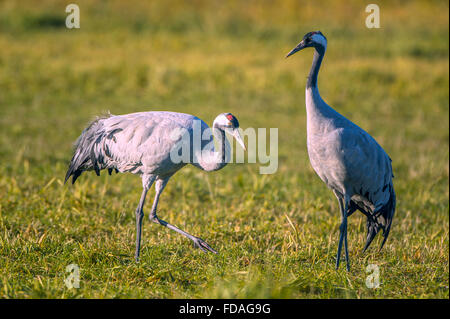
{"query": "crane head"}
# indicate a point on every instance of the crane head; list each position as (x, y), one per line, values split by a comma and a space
(229, 123)
(312, 39)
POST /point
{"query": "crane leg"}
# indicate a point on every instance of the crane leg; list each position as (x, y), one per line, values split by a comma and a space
(343, 233)
(160, 184)
(147, 183)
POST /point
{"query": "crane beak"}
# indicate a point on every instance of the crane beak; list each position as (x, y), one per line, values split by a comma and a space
(299, 47)
(238, 137)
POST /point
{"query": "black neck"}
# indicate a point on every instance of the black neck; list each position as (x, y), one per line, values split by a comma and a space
(317, 60)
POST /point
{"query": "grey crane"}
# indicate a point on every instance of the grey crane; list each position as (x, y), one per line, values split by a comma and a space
(346, 158)
(146, 143)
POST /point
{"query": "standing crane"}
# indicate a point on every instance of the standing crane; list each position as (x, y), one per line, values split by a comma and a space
(143, 143)
(347, 159)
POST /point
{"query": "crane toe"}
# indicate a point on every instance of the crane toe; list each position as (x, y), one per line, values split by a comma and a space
(200, 243)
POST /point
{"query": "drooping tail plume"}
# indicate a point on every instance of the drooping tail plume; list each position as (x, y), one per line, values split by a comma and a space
(381, 219)
(86, 155)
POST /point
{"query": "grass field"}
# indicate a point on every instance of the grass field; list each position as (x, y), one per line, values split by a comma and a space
(276, 234)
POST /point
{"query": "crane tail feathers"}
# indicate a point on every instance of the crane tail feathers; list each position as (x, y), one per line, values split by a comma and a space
(381, 219)
(370, 236)
(87, 155)
(68, 174)
(75, 176)
(390, 211)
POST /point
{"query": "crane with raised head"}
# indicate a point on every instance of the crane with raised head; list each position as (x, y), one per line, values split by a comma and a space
(346, 158)
(149, 144)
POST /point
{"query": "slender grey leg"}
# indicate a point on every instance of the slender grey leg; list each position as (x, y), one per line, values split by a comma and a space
(338, 257)
(343, 234)
(139, 217)
(345, 237)
(147, 182)
(159, 187)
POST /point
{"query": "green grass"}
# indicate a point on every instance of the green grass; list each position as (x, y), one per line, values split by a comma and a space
(276, 234)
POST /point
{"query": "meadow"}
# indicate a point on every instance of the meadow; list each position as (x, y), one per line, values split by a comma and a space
(276, 234)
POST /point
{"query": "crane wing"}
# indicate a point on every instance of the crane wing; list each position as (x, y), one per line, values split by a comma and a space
(137, 143)
(142, 142)
(369, 176)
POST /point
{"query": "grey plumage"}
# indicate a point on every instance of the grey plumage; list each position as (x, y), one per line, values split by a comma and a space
(350, 162)
(141, 143)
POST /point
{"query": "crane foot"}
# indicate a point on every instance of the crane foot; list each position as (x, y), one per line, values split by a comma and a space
(199, 243)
